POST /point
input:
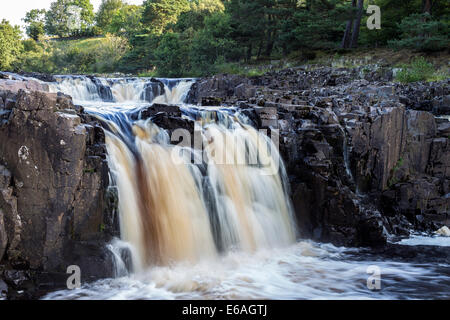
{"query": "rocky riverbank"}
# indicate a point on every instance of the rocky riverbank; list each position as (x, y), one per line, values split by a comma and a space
(53, 191)
(368, 160)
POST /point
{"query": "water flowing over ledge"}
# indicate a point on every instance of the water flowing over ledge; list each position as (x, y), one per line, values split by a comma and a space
(214, 231)
(170, 209)
(229, 231)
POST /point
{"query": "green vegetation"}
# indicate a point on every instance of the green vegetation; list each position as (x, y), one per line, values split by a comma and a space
(92, 55)
(202, 37)
(419, 70)
(10, 44)
(393, 181)
(69, 18)
(108, 9)
(422, 32)
(35, 20)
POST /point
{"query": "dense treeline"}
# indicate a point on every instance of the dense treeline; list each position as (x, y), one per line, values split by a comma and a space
(198, 37)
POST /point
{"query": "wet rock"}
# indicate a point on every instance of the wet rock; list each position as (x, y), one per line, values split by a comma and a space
(152, 89)
(366, 158)
(3, 289)
(103, 91)
(16, 85)
(211, 101)
(156, 108)
(3, 235)
(244, 91)
(219, 86)
(40, 76)
(53, 183)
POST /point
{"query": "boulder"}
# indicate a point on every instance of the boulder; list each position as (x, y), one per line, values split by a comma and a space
(16, 85)
(53, 181)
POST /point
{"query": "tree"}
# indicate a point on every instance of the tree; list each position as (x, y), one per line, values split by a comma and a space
(213, 43)
(10, 44)
(348, 29)
(56, 19)
(320, 24)
(170, 55)
(422, 32)
(356, 26)
(249, 22)
(160, 13)
(127, 20)
(35, 20)
(87, 13)
(69, 17)
(106, 13)
(199, 10)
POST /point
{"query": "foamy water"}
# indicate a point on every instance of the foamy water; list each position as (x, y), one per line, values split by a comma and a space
(305, 270)
(416, 240)
(259, 258)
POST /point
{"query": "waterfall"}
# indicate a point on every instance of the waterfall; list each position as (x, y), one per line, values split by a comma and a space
(80, 88)
(184, 203)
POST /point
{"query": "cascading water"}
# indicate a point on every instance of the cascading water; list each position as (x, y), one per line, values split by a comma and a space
(174, 210)
(213, 219)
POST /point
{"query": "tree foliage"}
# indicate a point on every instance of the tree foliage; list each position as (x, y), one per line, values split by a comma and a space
(198, 37)
(422, 32)
(35, 21)
(160, 13)
(126, 20)
(69, 17)
(10, 44)
(108, 9)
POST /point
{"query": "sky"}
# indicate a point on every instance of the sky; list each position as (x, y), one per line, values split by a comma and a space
(14, 10)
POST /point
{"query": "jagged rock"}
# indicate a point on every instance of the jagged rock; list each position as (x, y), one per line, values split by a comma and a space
(8, 206)
(103, 91)
(40, 76)
(16, 85)
(53, 191)
(219, 86)
(3, 235)
(244, 91)
(152, 90)
(365, 157)
(211, 101)
(3, 289)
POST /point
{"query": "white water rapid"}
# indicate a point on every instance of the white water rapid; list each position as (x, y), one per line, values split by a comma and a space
(220, 227)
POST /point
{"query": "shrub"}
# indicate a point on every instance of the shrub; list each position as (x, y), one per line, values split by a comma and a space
(171, 56)
(418, 70)
(109, 53)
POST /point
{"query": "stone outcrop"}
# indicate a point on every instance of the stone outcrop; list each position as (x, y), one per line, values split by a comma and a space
(13, 82)
(367, 159)
(53, 182)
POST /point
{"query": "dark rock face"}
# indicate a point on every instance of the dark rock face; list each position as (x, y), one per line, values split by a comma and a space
(152, 89)
(53, 179)
(104, 92)
(366, 158)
